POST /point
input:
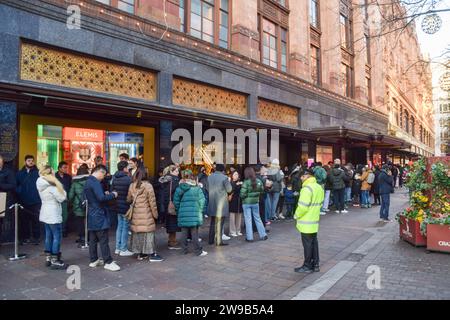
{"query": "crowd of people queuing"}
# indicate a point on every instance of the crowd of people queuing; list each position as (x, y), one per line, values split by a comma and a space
(133, 204)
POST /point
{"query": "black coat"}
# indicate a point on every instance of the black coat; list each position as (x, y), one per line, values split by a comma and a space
(66, 181)
(98, 216)
(235, 203)
(385, 182)
(26, 186)
(376, 184)
(171, 221)
(8, 184)
(121, 183)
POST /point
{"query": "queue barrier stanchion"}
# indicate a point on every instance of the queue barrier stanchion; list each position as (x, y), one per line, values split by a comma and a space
(85, 245)
(17, 255)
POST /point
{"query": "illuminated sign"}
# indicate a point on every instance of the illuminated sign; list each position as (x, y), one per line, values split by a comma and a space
(80, 134)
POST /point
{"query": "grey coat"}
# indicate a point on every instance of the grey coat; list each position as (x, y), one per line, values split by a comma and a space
(218, 189)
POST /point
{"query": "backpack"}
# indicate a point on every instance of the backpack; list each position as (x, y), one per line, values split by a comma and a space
(371, 178)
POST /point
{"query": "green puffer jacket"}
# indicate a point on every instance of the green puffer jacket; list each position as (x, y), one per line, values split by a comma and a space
(76, 196)
(250, 195)
(189, 202)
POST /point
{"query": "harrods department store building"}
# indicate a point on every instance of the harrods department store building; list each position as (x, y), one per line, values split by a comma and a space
(135, 70)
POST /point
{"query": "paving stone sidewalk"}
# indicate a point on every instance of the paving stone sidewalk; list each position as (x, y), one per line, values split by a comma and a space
(255, 271)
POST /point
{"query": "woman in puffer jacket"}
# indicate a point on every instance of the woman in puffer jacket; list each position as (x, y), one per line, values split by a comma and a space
(143, 220)
(52, 195)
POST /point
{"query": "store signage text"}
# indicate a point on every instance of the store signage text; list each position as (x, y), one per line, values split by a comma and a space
(80, 134)
(444, 244)
(210, 146)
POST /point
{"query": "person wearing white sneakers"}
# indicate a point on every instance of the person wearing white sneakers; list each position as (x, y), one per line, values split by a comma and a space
(189, 202)
(235, 206)
(120, 183)
(99, 220)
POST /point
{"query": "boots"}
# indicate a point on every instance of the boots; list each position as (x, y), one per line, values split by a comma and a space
(57, 263)
(48, 259)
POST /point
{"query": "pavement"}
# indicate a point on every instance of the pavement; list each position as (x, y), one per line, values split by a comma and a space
(361, 258)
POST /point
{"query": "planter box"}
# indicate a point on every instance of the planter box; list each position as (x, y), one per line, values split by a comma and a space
(410, 232)
(438, 237)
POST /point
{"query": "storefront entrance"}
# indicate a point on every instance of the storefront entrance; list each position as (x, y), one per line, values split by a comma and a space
(76, 141)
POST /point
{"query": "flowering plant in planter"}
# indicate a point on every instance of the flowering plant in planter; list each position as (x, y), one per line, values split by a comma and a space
(440, 199)
(419, 202)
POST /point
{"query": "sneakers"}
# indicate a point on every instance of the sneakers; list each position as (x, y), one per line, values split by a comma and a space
(126, 253)
(97, 263)
(337, 211)
(225, 237)
(174, 248)
(204, 253)
(327, 210)
(268, 223)
(155, 258)
(48, 259)
(316, 269)
(249, 240)
(117, 252)
(141, 256)
(57, 264)
(233, 234)
(304, 269)
(113, 266)
(265, 238)
(239, 233)
(323, 213)
(281, 216)
(387, 220)
(344, 211)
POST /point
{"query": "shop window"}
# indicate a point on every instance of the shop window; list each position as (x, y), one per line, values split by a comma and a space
(324, 154)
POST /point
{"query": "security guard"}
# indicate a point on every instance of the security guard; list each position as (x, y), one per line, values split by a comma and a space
(307, 215)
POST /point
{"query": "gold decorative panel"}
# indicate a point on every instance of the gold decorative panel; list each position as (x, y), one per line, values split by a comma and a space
(200, 96)
(71, 70)
(278, 113)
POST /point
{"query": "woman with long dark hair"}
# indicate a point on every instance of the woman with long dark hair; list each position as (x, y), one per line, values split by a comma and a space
(143, 219)
(251, 191)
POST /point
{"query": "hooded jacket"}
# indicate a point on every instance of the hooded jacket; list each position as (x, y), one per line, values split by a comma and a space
(189, 202)
(51, 198)
(121, 183)
(76, 195)
(249, 194)
(276, 176)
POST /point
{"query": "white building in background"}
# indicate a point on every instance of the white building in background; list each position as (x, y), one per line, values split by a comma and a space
(441, 97)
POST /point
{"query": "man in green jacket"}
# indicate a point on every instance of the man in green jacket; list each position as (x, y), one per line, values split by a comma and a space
(307, 216)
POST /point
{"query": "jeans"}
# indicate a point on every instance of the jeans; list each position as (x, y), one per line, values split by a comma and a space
(122, 233)
(271, 204)
(289, 210)
(193, 233)
(365, 197)
(99, 236)
(216, 230)
(252, 210)
(338, 196)
(376, 198)
(53, 234)
(326, 201)
(384, 209)
(348, 194)
(311, 250)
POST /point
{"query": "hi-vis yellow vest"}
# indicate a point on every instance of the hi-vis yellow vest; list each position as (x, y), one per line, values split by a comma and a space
(309, 205)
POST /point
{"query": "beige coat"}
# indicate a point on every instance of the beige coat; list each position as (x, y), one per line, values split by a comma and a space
(365, 185)
(145, 211)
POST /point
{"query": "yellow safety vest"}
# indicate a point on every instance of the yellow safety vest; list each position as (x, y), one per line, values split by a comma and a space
(309, 205)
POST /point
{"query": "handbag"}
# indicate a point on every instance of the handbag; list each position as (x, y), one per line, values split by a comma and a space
(130, 211)
(171, 208)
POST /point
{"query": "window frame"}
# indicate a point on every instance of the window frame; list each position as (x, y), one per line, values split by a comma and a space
(115, 4)
(217, 9)
(318, 60)
(317, 6)
(278, 32)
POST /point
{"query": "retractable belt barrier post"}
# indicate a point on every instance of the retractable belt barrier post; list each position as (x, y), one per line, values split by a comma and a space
(85, 245)
(17, 256)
